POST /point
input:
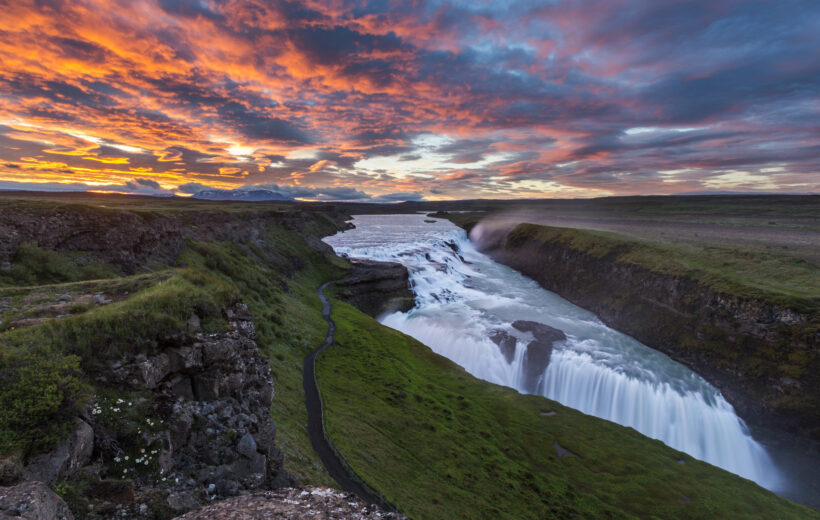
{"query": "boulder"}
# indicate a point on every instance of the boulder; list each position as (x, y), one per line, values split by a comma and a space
(32, 501)
(505, 342)
(182, 501)
(536, 359)
(539, 330)
(247, 446)
(539, 351)
(72, 454)
(11, 466)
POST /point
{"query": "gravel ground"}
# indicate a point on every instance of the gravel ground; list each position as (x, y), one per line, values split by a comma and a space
(292, 504)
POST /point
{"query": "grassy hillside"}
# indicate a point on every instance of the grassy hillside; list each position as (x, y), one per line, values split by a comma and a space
(443, 444)
(770, 277)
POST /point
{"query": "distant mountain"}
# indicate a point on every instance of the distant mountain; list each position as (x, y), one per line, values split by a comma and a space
(242, 195)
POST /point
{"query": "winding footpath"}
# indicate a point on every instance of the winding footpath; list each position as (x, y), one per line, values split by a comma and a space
(334, 465)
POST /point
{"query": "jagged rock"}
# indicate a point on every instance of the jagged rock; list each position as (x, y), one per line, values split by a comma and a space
(505, 342)
(11, 466)
(539, 351)
(292, 504)
(32, 501)
(72, 454)
(99, 299)
(184, 358)
(181, 386)
(144, 374)
(377, 287)
(541, 331)
(182, 501)
(247, 446)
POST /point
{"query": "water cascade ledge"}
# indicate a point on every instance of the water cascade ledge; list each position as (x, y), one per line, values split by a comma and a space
(463, 298)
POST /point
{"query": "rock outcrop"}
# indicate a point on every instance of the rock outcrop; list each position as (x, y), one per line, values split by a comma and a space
(377, 287)
(293, 504)
(539, 351)
(215, 392)
(506, 343)
(72, 454)
(206, 432)
(32, 501)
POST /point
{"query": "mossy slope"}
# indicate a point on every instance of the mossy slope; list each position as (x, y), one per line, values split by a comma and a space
(442, 444)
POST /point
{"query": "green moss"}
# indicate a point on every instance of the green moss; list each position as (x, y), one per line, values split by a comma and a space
(442, 444)
(135, 325)
(34, 265)
(40, 393)
(751, 274)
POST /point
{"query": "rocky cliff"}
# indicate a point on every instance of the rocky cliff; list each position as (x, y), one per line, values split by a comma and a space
(129, 240)
(763, 357)
(197, 428)
(376, 288)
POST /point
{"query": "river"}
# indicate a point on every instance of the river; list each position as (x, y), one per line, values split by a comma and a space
(463, 298)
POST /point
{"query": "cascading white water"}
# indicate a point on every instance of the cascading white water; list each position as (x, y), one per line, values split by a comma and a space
(462, 297)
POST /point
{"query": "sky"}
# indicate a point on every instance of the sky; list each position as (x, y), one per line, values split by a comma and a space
(410, 99)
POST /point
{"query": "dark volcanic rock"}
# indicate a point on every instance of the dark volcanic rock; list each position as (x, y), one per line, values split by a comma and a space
(505, 342)
(539, 351)
(211, 394)
(541, 332)
(66, 459)
(32, 501)
(377, 287)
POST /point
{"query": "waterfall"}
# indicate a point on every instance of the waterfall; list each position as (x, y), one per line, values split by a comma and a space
(463, 298)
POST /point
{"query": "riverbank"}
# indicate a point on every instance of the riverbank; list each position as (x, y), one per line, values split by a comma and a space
(754, 340)
(443, 444)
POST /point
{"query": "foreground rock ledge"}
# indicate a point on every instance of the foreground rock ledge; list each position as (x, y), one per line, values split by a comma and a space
(32, 501)
(292, 503)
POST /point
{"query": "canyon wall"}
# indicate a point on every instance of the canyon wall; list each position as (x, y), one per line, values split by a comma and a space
(762, 356)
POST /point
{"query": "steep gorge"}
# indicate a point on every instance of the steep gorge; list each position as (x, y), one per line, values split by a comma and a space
(764, 357)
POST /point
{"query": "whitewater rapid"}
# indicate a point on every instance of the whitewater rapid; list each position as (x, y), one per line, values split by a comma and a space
(463, 296)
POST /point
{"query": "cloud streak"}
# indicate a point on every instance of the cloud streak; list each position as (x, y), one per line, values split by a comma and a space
(435, 99)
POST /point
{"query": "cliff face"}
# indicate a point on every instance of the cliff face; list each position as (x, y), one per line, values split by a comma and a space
(129, 240)
(198, 428)
(763, 357)
(377, 287)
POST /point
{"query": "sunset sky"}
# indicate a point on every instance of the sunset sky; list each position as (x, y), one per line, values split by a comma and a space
(400, 100)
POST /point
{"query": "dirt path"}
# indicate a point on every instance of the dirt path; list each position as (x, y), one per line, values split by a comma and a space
(316, 428)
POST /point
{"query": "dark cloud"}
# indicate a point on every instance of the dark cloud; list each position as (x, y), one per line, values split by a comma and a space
(257, 125)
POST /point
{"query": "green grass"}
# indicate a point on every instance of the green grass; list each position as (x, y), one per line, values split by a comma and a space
(442, 444)
(752, 274)
(33, 265)
(116, 331)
